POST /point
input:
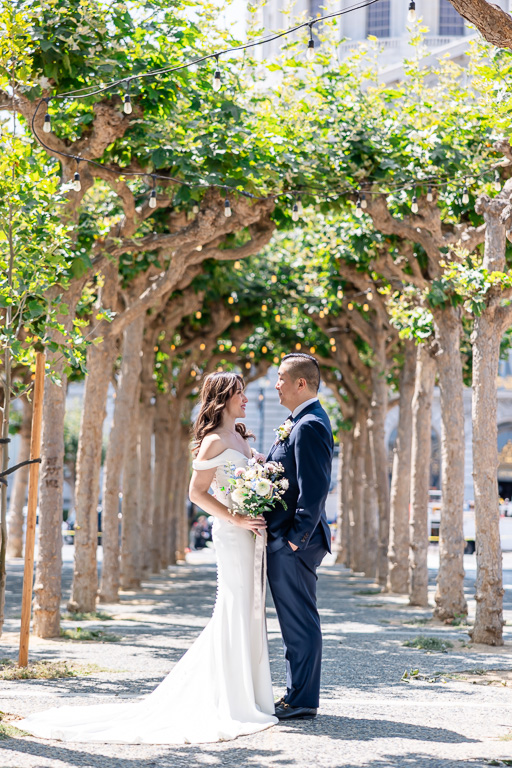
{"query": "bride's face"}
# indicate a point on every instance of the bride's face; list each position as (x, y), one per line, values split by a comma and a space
(235, 406)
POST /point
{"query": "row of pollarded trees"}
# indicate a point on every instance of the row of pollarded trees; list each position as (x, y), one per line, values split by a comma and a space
(395, 297)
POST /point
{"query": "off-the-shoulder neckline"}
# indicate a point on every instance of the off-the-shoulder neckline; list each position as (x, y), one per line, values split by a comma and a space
(223, 452)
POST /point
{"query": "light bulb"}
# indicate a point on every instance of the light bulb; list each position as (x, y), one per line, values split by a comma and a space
(339, 294)
(414, 206)
(364, 204)
(369, 295)
(359, 211)
(227, 209)
(465, 196)
(310, 53)
(47, 125)
(366, 307)
(295, 212)
(127, 104)
(76, 182)
(152, 199)
(430, 196)
(195, 209)
(411, 15)
(350, 306)
(216, 80)
(497, 181)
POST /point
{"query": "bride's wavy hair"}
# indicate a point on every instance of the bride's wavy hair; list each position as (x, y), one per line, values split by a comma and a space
(217, 389)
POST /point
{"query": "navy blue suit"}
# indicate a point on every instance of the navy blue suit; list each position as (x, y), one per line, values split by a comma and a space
(306, 456)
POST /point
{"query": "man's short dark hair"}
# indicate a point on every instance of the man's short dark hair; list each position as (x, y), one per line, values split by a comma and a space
(303, 366)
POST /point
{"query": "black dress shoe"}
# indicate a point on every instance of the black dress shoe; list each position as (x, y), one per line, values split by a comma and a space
(285, 712)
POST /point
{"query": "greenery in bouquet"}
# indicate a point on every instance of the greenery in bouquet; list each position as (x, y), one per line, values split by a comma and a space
(256, 488)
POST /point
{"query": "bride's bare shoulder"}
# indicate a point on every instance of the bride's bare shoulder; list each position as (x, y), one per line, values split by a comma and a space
(211, 446)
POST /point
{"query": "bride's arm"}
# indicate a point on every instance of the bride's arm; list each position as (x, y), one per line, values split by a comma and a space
(198, 492)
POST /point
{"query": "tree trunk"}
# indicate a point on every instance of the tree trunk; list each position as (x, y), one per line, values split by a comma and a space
(162, 461)
(371, 518)
(100, 358)
(486, 340)
(20, 485)
(450, 600)
(146, 502)
(420, 475)
(357, 510)
(342, 543)
(398, 553)
(131, 550)
(378, 412)
(181, 497)
(117, 443)
(47, 586)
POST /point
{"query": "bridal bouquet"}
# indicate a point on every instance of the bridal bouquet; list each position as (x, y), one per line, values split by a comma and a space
(255, 489)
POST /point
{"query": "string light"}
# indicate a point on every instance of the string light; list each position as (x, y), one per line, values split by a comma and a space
(364, 203)
(237, 318)
(251, 354)
(497, 181)
(237, 265)
(350, 306)
(127, 104)
(333, 348)
(247, 365)
(47, 125)
(465, 196)
(273, 279)
(295, 310)
(430, 196)
(295, 212)
(231, 300)
(332, 341)
(369, 294)
(278, 318)
(221, 347)
(310, 53)
(77, 186)
(216, 77)
(152, 198)
(359, 211)
(199, 315)
(202, 346)
(366, 307)
(312, 350)
(263, 307)
(195, 208)
(339, 295)
(411, 15)
(227, 208)
(264, 350)
(298, 346)
(233, 349)
(414, 205)
(275, 360)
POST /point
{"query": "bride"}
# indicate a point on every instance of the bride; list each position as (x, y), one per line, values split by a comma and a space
(221, 687)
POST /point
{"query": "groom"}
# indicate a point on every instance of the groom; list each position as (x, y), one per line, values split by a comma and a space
(298, 535)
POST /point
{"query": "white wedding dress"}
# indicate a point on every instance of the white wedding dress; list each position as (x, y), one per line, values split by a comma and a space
(220, 688)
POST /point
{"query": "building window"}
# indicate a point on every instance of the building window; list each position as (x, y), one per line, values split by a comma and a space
(451, 22)
(377, 21)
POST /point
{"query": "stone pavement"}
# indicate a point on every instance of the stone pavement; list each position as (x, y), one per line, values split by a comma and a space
(368, 717)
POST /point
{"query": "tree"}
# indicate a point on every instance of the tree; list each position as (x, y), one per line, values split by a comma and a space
(493, 23)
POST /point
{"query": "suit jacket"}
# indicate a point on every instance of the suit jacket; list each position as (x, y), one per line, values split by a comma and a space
(306, 455)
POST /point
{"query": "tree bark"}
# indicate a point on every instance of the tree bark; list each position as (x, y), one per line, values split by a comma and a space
(420, 476)
(486, 340)
(357, 509)
(131, 550)
(450, 600)
(47, 583)
(493, 23)
(345, 479)
(162, 462)
(100, 358)
(398, 553)
(20, 485)
(378, 413)
(371, 517)
(117, 443)
(146, 502)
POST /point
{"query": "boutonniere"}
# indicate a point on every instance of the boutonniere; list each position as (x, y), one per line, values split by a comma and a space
(283, 432)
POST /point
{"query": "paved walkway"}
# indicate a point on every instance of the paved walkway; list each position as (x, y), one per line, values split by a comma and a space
(368, 716)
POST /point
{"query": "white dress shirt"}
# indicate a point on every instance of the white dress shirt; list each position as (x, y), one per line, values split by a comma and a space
(303, 405)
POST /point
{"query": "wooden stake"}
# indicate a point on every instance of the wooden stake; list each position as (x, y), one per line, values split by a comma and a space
(35, 453)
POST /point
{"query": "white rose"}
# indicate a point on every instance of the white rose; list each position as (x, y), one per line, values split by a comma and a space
(248, 484)
(238, 496)
(240, 483)
(251, 474)
(262, 487)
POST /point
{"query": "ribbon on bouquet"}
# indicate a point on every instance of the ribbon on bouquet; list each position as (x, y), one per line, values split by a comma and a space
(260, 573)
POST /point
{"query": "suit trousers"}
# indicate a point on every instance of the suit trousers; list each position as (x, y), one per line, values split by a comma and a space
(292, 578)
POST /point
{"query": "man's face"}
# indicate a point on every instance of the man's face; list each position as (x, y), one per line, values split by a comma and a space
(289, 389)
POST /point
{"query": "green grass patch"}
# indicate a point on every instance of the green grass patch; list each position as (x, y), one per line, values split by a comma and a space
(96, 635)
(424, 643)
(8, 731)
(95, 616)
(45, 670)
